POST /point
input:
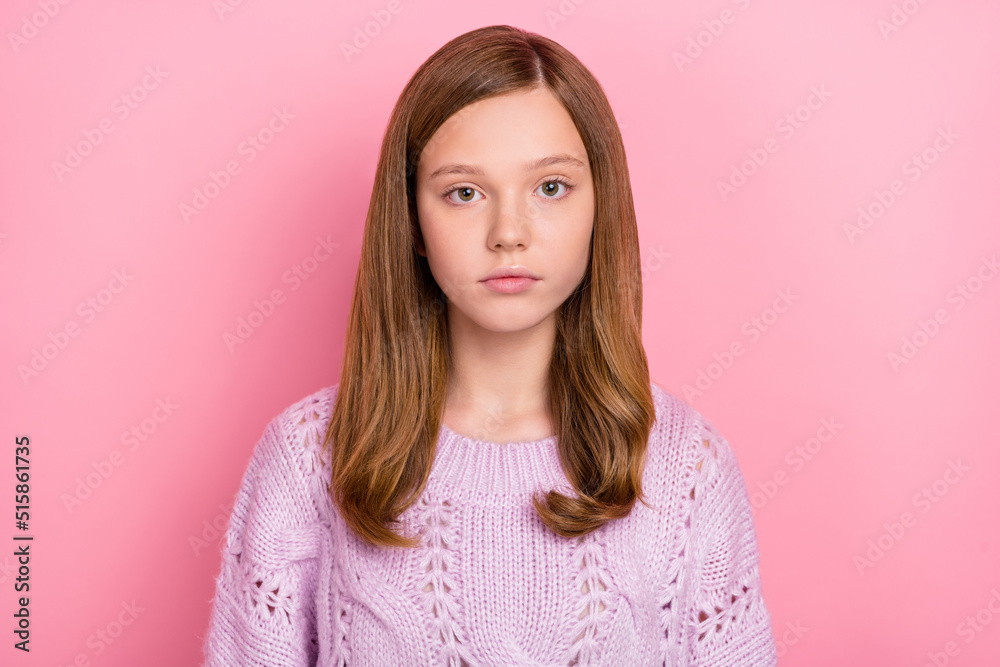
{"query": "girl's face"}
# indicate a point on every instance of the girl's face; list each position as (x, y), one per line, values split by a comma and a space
(505, 182)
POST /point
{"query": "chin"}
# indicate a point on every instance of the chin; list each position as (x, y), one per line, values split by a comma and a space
(512, 323)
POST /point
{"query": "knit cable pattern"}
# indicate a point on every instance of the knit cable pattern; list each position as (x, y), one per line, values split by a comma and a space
(439, 560)
(589, 555)
(728, 616)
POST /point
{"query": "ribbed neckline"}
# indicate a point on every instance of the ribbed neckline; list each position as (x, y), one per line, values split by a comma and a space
(497, 468)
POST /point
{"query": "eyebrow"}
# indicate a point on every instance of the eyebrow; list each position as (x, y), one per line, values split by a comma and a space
(559, 159)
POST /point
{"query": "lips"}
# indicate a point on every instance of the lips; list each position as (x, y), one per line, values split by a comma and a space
(510, 284)
(510, 272)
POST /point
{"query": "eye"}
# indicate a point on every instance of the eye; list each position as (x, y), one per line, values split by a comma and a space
(549, 189)
(465, 195)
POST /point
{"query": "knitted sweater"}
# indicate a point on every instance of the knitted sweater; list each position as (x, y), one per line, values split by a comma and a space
(490, 584)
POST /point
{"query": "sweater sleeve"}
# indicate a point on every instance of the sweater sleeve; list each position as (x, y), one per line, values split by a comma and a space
(728, 622)
(264, 612)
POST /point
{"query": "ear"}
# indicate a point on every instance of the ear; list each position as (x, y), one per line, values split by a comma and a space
(418, 240)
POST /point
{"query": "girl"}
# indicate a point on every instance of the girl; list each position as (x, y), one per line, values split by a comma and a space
(466, 495)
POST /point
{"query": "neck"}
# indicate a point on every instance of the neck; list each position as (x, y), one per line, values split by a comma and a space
(498, 381)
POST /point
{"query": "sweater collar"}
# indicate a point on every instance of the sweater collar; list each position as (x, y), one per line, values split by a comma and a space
(495, 468)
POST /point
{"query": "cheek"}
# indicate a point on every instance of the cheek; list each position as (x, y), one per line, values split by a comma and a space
(577, 239)
(581, 256)
(567, 260)
(433, 220)
(447, 260)
(444, 250)
(432, 232)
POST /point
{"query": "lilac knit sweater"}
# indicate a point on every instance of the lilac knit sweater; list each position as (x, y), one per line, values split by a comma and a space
(490, 583)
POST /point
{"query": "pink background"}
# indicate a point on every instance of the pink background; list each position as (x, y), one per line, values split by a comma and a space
(142, 534)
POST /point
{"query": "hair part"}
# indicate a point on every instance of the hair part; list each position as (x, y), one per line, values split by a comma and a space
(387, 413)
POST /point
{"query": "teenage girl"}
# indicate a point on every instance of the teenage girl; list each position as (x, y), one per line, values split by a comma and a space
(495, 480)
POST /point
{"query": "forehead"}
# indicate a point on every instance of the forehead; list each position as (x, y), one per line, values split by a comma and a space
(512, 128)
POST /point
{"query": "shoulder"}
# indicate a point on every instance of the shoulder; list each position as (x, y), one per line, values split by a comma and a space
(686, 445)
(298, 424)
(672, 412)
(308, 411)
(679, 427)
(288, 463)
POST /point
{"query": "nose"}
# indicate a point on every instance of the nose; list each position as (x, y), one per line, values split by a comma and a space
(513, 223)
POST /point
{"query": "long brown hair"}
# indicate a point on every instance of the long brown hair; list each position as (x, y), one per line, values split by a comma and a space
(384, 428)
